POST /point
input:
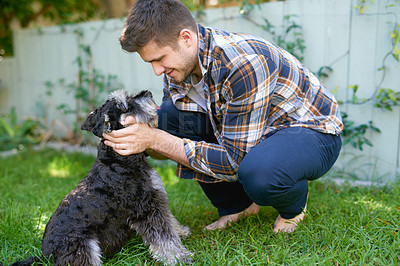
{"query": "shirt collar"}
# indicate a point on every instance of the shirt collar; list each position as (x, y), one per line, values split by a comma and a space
(204, 48)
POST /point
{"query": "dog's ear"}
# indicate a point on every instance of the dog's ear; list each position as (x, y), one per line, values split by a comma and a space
(143, 107)
(94, 123)
(144, 94)
(119, 97)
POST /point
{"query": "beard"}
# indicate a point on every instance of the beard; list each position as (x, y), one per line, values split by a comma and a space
(187, 67)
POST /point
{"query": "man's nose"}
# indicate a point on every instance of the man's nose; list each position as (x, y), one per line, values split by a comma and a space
(157, 68)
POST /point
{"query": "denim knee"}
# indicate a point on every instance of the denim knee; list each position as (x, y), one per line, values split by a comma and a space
(276, 171)
(257, 184)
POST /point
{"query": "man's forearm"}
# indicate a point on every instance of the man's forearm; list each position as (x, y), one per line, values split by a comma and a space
(169, 146)
(155, 155)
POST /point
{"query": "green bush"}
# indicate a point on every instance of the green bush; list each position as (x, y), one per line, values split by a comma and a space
(14, 134)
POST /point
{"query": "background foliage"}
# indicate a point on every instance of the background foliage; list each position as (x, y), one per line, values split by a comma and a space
(24, 13)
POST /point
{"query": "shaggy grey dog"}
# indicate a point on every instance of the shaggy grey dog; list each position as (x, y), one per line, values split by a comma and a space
(119, 195)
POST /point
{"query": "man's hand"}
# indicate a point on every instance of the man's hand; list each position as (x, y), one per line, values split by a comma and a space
(134, 138)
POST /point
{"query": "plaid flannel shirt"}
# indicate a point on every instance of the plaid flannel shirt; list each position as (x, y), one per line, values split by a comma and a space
(252, 89)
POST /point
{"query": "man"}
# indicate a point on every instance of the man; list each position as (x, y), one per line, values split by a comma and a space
(240, 115)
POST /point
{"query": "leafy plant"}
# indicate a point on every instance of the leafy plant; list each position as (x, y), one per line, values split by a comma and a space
(383, 98)
(26, 12)
(362, 5)
(355, 134)
(354, 98)
(324, 71)
(386, 98)
(246, 6)
(395, 41)
(290, 38)
(17, 135)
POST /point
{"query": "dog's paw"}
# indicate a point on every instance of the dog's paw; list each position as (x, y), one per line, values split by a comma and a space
(186, 260)
(171, 253)
(183, 231)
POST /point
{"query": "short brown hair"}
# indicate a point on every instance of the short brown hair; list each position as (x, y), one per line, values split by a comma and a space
(157, 20)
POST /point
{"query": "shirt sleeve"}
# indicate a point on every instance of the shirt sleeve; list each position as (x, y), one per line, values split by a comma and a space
(247, 87)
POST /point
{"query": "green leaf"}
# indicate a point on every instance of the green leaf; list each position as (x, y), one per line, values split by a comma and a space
(393, 97)
(354, 99)
(375, 129)
(396, 53)
(366, 141)
(27, 127)
(4, 125)
(387, 107)
(354, 88)
(13, 118)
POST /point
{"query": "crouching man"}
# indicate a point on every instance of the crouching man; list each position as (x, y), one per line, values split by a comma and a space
(240, 115)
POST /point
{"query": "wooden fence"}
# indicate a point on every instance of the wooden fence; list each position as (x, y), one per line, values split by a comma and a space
(336, 34)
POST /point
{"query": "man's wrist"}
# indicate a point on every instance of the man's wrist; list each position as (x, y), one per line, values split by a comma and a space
(154, 139)
(168, 146)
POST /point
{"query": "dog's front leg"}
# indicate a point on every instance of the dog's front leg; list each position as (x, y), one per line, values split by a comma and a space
(182, 230)
(158, 231)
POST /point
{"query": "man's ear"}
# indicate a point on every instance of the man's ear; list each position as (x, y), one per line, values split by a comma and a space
(187, 37)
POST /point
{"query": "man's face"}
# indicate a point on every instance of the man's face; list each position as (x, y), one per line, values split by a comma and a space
(177, 62)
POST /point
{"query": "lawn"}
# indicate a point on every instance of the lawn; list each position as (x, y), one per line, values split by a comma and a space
(344, 224)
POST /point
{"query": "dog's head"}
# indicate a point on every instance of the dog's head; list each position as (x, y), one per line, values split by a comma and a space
(118, 105)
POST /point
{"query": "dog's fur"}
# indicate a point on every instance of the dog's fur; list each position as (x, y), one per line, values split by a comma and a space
(119, 195)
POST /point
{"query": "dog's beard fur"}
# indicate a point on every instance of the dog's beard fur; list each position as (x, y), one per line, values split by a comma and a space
(120, 194)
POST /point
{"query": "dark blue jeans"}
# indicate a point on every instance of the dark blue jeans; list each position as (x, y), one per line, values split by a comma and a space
(274, 173)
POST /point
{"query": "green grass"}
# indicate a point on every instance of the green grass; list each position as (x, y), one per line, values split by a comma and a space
(344, 225)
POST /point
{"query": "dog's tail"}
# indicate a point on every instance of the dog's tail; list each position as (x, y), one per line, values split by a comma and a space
(32, 260)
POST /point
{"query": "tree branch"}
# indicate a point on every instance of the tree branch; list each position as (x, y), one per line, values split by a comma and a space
(34, 16)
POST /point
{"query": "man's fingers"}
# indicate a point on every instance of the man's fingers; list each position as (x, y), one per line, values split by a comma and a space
(116, 146)
(109, 139)
(129, 120)
(118, 135)
(127, 140)
(124, 148)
